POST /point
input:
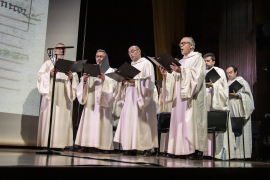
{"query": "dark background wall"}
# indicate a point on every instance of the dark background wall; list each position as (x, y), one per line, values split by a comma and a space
(115, 26)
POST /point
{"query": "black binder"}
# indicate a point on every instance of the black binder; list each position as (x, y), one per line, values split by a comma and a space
(159, 83)
(92, 69)
(213, 75)
(126, 70)
(104, 64)
(65, 65)
(236, 86)
(164, 60)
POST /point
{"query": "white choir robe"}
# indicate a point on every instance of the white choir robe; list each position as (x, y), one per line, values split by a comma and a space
(137, 127)
(64, 95)
(116, 112)
(217, 100)
(164, 137)
(243, 107)
(96, 124)
(187, 92)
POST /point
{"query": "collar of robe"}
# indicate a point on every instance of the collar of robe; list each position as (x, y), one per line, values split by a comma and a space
(139, 60)
(192, 53)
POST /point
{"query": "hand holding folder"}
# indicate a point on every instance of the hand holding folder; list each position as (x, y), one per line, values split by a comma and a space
(235, 86)
(64, 65)
(212, 75)
(123, 72)
(164, 60)
(96, 69)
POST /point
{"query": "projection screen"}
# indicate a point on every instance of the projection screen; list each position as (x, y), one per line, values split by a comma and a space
(23, 43)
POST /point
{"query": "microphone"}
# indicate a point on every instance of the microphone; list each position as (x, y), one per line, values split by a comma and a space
(64, 47)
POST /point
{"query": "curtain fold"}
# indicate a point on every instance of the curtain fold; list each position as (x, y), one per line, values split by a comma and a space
(169, 26)
(237, 39)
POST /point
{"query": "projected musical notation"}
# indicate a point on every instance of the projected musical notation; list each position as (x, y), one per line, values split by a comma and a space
(23, 26)
(14, 24)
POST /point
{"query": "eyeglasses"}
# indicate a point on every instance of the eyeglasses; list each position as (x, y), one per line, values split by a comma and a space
(231, 72)
(183, 43)
(97, 56)
(132, 51)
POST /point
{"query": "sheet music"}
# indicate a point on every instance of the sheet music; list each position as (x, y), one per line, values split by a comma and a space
(23, 26)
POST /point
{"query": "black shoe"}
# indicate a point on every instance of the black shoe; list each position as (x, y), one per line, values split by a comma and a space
(130, 153)
(133, 152)
(171, 156)
(164, 154)
(126, 153)
(84, 150)
(58, 149)
(198, 155)
(106, 152)
(183, 157)
(146, 153)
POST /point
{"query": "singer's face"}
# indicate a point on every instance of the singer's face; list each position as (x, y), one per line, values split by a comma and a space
(134, 53)
(99, 57)
(60, 51)
(185, 46)
(209, 62)
(231, 74)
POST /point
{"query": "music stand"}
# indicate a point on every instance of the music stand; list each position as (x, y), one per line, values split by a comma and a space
(50, 52)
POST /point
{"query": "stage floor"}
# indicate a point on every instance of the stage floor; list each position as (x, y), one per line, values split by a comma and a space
(28, 157)
(16, 163)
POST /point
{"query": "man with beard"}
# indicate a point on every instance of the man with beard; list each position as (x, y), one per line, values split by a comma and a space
(137, 127)
(96, 126)
(217, 100)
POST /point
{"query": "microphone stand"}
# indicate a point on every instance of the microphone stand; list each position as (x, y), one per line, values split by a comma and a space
(49, 151)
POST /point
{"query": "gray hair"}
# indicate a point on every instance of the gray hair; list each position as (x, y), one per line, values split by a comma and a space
(191, 42)
(101, 50)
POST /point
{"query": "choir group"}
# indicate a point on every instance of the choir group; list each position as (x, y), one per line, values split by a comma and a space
(133, 104)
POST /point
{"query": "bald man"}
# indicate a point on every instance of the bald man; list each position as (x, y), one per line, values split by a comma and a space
(137, 128)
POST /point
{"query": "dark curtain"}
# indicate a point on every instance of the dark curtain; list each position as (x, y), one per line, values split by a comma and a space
(237, 39)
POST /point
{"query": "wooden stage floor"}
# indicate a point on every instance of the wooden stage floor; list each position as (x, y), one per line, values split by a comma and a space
(70, 164)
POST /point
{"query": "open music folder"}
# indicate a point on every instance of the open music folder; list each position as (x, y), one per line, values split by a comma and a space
(65, 65)
(164, 60)
(96, 69)
(213, 75)
(126, 70)
(236, 86)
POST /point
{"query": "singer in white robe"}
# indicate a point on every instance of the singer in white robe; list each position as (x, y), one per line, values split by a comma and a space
(242, 106)
(64, 95)
(137, 127)
(96, 125)
(187, 92)
(217, 100)
(164, 137)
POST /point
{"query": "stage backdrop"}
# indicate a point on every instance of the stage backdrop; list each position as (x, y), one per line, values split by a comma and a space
(23, 43)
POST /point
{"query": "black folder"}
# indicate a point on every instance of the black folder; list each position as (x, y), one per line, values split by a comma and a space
(65, 65)
(236, 86)
(164, 60)
(92, 69)
(126, 70)
(96, 69)
(104, 64)
(159, 83)
(213, 75)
